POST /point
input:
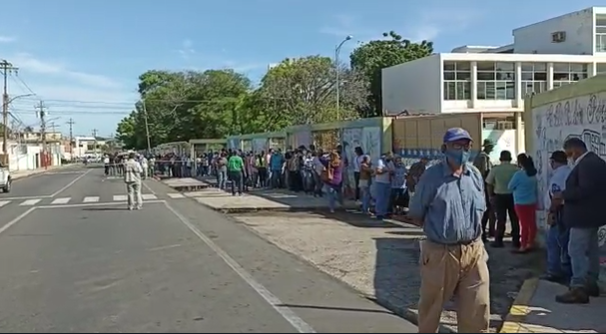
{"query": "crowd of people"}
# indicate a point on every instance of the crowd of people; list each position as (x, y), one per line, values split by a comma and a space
(462, 205)
(380, 188)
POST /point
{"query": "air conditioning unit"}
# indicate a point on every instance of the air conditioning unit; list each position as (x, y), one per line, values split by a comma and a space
(558, 37)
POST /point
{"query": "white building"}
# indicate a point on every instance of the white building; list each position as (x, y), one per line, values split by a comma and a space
(543, 56)
(87, 145)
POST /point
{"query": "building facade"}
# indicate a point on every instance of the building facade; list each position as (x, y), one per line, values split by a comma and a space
(544, 56)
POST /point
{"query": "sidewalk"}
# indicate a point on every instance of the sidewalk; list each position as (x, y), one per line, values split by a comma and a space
(377, 258)
(25, 173)
(255, 200)
(535, 311)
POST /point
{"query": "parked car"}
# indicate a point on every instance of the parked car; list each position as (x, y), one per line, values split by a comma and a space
(5, 179)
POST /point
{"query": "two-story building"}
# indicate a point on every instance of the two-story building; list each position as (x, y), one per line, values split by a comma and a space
(543, 56)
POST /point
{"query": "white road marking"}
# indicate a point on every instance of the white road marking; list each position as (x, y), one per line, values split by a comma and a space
(30, 202)
(16, 220)
(148, 188)
(148, 196)
(91, 199)
(67, 186)
(63, 200)
(288, 314)
(175, 195)
(121, 198)
(3, 203)
(83, 205)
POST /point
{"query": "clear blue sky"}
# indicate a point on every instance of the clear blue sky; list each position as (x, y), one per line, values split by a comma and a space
(91, 50)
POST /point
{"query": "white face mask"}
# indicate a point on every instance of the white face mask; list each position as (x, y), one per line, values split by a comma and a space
(571, 161)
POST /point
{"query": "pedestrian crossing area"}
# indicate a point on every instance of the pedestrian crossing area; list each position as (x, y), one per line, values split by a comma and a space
(83, 200)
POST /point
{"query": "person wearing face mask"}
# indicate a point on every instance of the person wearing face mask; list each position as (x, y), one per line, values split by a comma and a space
(583, 213)
(449, 203)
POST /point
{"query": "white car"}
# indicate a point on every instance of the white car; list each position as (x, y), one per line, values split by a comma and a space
(5, 179)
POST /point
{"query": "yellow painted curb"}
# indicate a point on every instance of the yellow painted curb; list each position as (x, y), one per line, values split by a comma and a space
(519, 309)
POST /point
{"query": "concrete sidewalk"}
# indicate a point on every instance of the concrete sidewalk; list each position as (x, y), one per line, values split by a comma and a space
(535, 311)
(255, 200)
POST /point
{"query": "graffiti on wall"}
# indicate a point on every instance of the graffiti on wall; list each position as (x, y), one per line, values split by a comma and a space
(352, 138)
(583, 117)
(301, 138)
(259, 144)
(372, 138)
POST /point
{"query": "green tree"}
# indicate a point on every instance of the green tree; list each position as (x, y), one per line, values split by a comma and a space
(303, 91)
(180, 106)
(370, 58)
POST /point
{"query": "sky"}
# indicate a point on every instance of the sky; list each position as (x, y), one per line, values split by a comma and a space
(83, 58)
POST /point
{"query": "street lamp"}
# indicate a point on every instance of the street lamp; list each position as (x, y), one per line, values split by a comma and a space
(8, 101)
(337, 52)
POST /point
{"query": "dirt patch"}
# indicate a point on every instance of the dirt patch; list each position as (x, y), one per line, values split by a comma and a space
(380, 259)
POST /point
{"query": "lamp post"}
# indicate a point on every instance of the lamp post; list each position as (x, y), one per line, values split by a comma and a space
(337, 79)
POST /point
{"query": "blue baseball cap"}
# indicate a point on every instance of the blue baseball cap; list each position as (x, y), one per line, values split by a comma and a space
(454, 134)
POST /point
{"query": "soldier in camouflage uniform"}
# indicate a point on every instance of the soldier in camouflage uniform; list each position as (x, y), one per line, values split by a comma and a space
(483, 164)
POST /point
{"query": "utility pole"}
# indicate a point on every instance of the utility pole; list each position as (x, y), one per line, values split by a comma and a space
(95, 142)
(40, 110)
(71, 137)
(6, 68)
(146, 128)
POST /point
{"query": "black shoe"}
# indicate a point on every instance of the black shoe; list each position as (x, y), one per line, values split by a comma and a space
(573, 296)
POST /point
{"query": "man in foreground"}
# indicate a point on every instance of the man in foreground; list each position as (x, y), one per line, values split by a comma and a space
(132, 178)
(449, 203)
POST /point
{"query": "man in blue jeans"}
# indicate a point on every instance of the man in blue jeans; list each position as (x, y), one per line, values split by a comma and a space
(584, 198)
(558, 261)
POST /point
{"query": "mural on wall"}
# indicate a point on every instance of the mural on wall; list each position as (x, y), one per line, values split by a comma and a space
(246, 145)
(326, 139)
(372, 138)
(583, 117)
(352, 138)
(302, 137)
(259, 144)
(233, 143)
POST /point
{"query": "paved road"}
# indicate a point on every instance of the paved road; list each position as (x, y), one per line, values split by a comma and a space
(75, 265)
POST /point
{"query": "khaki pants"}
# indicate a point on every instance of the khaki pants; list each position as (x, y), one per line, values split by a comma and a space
(460, 271)
(133, 190)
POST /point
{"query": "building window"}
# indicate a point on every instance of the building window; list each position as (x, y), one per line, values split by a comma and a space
(496, 81)
(567, 73)
(601, 68)
(600, 33)
(534, 78)
(457, 80)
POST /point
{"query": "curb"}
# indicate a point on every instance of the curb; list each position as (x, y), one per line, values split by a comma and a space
(519, 309)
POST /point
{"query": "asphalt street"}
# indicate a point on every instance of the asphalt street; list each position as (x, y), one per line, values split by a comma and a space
(74, 259)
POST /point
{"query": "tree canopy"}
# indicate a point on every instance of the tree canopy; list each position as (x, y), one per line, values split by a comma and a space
(370, 58)
(216, 103)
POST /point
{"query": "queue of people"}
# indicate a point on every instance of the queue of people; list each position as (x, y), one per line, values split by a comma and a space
(453, 202)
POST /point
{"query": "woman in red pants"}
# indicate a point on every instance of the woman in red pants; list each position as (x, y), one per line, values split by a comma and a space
(523, 184)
